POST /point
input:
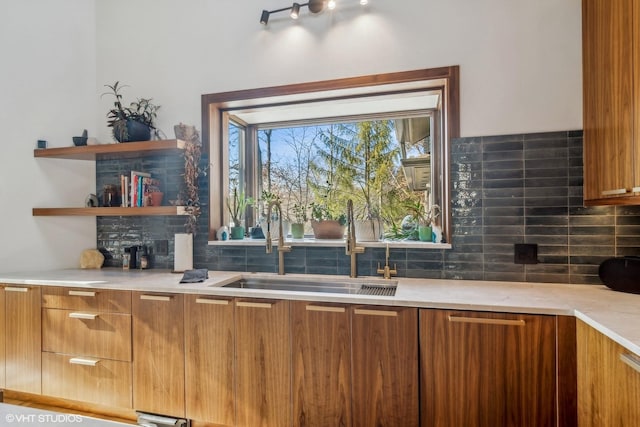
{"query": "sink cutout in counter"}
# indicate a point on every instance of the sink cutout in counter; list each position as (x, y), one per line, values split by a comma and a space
(335, 287)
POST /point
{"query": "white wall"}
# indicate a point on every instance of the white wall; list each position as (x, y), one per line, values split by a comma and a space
(520, 60)
(47, 91)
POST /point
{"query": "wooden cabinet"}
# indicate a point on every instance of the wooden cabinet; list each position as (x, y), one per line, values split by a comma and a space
(384, 348)
(611, 92)
(487, 369)
(23, 339)
(321, 357)
(86, 344)
(210, 346)
(263, 363)
(158, 353)
(608, 381)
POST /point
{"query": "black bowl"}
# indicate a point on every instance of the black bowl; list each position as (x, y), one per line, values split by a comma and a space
(80, 140)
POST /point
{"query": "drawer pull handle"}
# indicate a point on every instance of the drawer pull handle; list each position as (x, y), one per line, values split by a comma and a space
(615, 192)
(366, 312)
(87, 316)
(483, 321)
(83, 361)
(631, 360)
(156, 297)
(325, 308)
(14, 289)
(254, 304)
(212, 301)
(82, 293)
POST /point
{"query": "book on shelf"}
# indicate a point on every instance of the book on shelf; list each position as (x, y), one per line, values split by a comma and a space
(142, 184)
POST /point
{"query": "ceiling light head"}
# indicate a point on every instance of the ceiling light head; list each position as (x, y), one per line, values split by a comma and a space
(264, 18)
(316, 6)
(295, 10)
(331, 4)
(364, 2)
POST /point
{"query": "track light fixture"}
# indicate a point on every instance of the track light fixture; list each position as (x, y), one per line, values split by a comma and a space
(315, 6)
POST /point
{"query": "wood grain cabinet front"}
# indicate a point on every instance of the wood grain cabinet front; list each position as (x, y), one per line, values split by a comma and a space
(384, 351)
(487, 369)
(86, 344)
(608, 381)
(23, 346)
(158, 353)
(209, 367)
(263, 363)
(321, 357)
(611, 98)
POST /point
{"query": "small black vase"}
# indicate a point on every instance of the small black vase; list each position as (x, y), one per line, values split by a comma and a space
(136, 131)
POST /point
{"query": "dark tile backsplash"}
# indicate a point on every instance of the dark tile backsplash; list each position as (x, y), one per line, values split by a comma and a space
(505, 189)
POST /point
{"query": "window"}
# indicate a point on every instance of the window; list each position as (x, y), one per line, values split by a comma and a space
(381, 141)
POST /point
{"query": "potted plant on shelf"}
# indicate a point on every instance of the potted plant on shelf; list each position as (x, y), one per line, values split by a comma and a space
(237, 204)
(300, 215)
(132, 123)
(327, 224)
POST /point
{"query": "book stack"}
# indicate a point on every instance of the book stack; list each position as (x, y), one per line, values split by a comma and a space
(136, 189)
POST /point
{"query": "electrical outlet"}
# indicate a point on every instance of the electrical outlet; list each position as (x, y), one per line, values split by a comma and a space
(162, 247)
(525, 253)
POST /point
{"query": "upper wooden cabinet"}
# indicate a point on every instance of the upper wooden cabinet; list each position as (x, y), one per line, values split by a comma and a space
(608, 381)
(487, 369)
(611, 92)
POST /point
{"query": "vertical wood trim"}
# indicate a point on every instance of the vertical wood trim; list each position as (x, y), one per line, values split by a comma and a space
(566, 375)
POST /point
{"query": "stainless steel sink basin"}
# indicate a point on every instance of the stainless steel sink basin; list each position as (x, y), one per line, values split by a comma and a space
(387, 288)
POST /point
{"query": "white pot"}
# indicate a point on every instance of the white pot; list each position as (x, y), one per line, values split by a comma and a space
(368, 230)
(275, 229)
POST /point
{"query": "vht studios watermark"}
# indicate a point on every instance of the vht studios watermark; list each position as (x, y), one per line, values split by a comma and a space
(46, 419)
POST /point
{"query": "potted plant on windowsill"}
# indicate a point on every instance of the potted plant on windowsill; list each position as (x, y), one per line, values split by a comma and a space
(300, 218)
(423, 218)
(237, 204)
(132, 123)
(326, 224)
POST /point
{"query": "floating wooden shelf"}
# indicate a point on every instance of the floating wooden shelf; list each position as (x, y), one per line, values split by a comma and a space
(148, 211)
(110, 151)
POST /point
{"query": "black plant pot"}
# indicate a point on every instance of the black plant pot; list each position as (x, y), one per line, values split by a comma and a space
(136, 131)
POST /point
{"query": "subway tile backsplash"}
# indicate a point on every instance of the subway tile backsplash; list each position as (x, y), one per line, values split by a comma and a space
(506, 189)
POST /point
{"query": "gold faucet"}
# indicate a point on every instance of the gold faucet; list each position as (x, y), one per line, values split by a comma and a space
(387, 272)
(281, 247)
(351, 246)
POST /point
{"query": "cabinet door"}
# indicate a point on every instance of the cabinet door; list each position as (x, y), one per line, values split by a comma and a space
(321, 364)
(487, 369)
(263, 363)
(210, 374)
(385, 366)
(608, 381)
(23, 339)
(158, 353)
(608, 90)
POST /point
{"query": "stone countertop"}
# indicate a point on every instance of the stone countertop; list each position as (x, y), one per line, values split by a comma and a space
(615, 314)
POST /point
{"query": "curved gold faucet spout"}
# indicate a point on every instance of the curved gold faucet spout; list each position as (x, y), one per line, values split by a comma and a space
(351, 245)
(281, 246)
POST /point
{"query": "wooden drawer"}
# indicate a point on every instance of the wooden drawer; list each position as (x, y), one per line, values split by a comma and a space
(108, 382)
(86, 333)
(86, 299)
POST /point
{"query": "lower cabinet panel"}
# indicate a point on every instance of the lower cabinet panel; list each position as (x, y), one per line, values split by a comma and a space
(107, 383)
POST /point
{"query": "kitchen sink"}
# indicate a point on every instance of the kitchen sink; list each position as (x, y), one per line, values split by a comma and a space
(387, 288)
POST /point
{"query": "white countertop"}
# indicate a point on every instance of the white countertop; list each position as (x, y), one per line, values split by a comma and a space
(615, 314)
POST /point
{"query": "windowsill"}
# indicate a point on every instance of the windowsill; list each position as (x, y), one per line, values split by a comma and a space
(335, 243)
